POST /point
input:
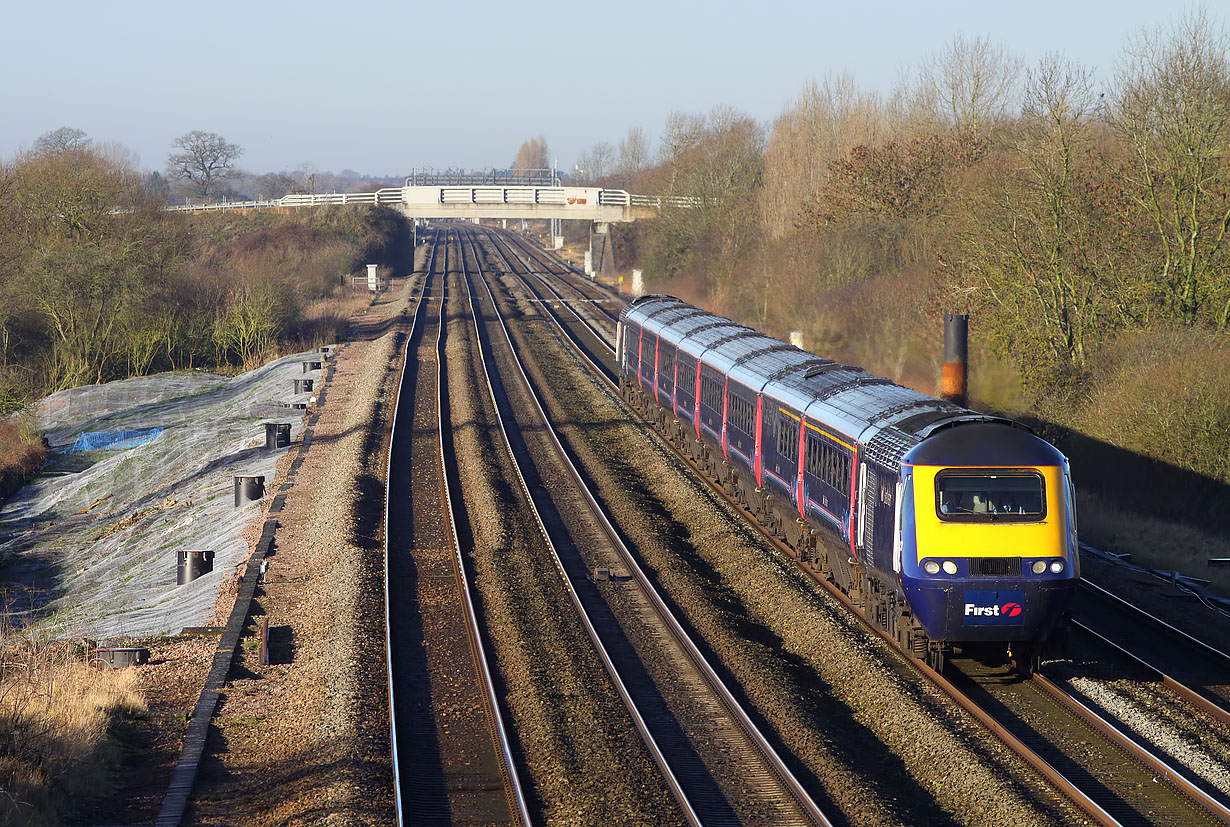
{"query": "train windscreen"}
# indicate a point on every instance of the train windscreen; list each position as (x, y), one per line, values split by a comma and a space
(969, 495)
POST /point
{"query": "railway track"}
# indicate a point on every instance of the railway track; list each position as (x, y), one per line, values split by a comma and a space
(1126, 793)
(595, 305)
(1120, 781)
(1191, 669)
(451, 756)
(720, 767)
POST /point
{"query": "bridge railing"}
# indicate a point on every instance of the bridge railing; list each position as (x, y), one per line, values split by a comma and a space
(455, 195)
(657, 202)
(388, 195)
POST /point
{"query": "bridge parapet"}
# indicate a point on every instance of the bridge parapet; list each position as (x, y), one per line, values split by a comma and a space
(485, 201)
(583, 203)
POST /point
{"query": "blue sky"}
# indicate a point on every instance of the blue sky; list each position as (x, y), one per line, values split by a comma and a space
(381, 87)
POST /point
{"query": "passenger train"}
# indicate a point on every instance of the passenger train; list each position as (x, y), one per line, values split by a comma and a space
(946, 528)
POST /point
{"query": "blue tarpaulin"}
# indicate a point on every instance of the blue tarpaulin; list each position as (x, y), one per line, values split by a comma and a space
(113, 440)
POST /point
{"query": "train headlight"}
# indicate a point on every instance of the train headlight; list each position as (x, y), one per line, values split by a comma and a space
(1039, 566)
(1056, 566)
(950, 567)
(931, 567)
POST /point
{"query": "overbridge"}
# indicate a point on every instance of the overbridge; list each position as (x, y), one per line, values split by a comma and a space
(486, 201)
(602, 207)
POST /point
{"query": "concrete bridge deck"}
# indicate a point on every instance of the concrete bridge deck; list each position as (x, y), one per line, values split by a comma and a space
(595, 204)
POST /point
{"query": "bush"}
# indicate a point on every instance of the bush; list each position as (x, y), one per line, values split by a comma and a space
(1165, 395)
(21, 453)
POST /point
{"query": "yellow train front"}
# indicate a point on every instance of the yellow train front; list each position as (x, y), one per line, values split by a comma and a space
(988, 549)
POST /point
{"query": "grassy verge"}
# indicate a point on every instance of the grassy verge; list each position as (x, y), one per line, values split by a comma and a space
(57, 719)
(1154, 543)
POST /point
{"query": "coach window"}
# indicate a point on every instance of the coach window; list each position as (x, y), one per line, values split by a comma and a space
(742, 414)
(711, 392)
(813, 461)
(788, 437)
(687, 377)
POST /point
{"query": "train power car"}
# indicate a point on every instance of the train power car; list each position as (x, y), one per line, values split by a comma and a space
(945, 527)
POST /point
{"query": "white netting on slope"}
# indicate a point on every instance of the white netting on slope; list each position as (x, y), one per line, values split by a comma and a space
(110, 571)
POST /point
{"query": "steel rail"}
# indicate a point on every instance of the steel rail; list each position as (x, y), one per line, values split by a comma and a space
(603, 370)
(774, 761)
(1125, 742)
(564, 276)
(625, 695)
(1179, 633)
(495, 723)
(569, 304)
(495, 720)
(1185, 693)
(1014, 744)
(388, 475)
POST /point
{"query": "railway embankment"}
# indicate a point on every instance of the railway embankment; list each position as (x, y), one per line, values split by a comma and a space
(144, 469)
(141, 470)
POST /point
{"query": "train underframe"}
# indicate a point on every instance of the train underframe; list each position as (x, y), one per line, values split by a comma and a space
(881, 603)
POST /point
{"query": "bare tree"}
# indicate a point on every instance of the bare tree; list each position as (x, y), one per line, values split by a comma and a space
(716, 158)
(971, 83)
(533, 154)
(595, 163)
(205, 159)
(60, 140)
(273, 185)
(304, 177)
(1033, 248)
(1171, 105)
(633, 153)
(683, 132)
(826, 122)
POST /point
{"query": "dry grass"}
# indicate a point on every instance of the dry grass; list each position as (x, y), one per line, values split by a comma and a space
(1166, 394)
(327, 321)
(56, 720)
(21, 454)
(1153, 543)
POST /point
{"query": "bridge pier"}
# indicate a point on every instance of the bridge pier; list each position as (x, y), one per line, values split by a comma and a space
(601, 250)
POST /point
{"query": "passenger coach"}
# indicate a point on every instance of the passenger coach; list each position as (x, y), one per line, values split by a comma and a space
(945, 527)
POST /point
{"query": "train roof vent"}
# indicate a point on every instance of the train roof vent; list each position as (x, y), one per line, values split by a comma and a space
(889, 445)
(692, 313)
(920, 421)
(860, 382)
(828, 365)
(808, 365)
(704, 327)
(742, 334)
(659, 310)
(778, 348)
